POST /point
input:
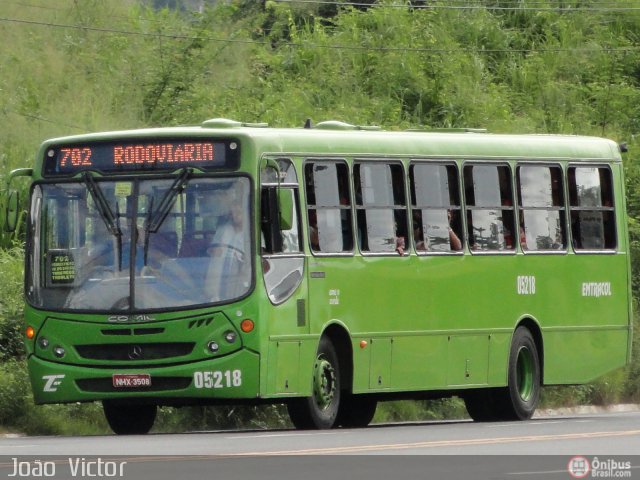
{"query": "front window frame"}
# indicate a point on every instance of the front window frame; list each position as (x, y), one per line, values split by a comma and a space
(29, 244)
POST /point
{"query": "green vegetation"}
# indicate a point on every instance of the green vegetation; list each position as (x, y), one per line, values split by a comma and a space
(73, 67)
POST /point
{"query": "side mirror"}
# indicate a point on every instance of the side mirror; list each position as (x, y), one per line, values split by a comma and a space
(10, 215)
(285, 208)
(12, 211)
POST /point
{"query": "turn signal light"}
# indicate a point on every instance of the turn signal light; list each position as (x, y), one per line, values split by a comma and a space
(247, 325)
(30, 332)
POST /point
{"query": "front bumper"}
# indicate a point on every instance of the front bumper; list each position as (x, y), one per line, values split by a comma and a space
(233, 376)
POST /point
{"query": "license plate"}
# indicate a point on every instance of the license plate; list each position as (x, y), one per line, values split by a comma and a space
(128, 380)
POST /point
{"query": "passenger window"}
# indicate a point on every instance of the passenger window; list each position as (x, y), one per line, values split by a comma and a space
(329, 207)
(542, 211)
(592, 209)
(381, 207)
(435, 208)
(489, 207)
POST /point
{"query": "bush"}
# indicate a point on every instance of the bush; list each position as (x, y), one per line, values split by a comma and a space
(18, 413)
(11, 303)
(410, 410)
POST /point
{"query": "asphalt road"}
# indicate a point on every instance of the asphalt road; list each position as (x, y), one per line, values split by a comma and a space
(540, 448)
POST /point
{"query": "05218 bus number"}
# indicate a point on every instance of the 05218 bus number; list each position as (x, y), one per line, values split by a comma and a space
(217, 379)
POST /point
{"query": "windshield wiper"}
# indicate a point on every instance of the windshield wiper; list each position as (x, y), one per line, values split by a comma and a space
(155, 219)
(110, 220)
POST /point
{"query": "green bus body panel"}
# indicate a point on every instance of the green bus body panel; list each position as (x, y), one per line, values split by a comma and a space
(451, 318)
(414, 323)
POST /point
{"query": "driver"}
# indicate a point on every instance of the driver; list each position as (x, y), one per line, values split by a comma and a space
(229, 237)
(227, 270)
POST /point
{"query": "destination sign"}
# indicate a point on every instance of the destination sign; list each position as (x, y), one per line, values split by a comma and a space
(123, 157)
(61, 268)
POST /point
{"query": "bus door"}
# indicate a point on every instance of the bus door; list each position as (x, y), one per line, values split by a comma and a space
(283, 262)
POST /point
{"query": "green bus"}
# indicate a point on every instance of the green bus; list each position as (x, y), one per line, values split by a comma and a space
(326, 268)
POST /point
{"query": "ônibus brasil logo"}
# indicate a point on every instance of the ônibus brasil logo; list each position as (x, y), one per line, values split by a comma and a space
(579, 467)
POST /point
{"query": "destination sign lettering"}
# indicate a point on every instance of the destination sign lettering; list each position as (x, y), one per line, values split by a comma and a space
(123, 157)
(61, 268)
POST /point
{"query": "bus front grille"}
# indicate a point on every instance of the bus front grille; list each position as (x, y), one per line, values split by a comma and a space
(158, 384)
(135, 351)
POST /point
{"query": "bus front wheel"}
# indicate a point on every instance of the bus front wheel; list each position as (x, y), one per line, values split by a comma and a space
(357, 411)
(125, 419)
(320, 410)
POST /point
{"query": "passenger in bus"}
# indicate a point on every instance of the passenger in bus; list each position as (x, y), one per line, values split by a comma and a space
(523, 237)
(228, 239)
(455, 244)
(227, 272)
(418, 237)
(313, 231)
(454, 240)
(400, 245)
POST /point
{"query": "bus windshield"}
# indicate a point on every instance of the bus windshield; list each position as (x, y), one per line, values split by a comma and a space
(144, 244)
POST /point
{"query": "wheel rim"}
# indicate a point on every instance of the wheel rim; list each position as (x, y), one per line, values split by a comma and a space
(524, 374)
(324, 383)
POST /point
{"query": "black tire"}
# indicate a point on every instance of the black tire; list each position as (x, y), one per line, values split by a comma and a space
(524, 377)
(519, 399)
(356, 411)
(320, 410)
(482, 405)
(125, 419)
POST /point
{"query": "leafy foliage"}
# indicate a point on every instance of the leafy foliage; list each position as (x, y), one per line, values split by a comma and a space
(94, 65)
(11, 303)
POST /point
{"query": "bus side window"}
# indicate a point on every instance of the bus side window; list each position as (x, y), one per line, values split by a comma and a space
(541, 201)
(592, 209)
(435, 208)
(329, 207)
(489, 206)
(277, 238)
(381, 207)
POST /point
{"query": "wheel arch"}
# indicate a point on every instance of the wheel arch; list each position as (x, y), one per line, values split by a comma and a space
(534, 328)
(341, 340)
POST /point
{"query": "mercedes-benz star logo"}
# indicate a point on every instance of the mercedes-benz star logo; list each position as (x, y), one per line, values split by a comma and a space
(135, 352)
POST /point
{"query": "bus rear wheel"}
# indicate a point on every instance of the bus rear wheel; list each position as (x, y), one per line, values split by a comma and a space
(484, 405)
(524, 377)
(127, 419)
(320, 410)
(519, 399)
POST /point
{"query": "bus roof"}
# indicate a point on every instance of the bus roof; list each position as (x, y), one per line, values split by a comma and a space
(336, 138)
